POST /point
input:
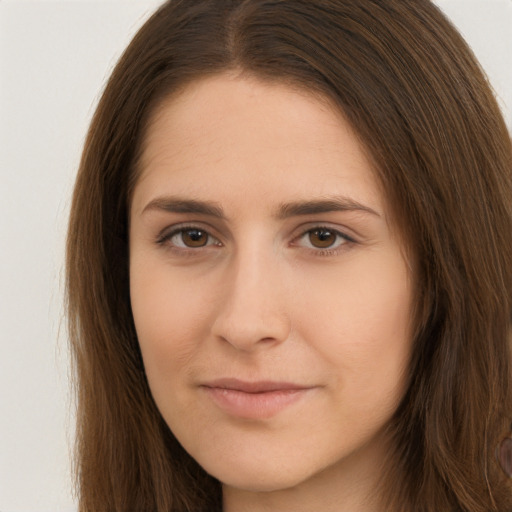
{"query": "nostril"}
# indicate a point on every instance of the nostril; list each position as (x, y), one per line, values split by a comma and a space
(249, 329)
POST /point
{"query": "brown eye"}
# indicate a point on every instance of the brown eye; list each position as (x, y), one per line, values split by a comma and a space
(322, 238)
(194, 237)
(184, 238)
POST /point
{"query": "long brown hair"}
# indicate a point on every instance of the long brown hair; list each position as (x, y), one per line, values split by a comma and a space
(418, 100)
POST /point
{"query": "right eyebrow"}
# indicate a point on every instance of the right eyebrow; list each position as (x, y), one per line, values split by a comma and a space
(330, 204)
(179, 205)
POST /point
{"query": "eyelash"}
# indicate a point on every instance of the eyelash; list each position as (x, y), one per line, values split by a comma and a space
(342, 240)
(166, 237)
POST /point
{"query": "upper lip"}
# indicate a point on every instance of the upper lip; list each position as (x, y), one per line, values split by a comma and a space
(253, 387)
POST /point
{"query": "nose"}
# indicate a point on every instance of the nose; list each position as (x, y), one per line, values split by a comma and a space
(252, 310)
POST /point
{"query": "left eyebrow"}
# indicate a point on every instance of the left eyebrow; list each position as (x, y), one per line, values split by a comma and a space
(334, 204)
(181, 205)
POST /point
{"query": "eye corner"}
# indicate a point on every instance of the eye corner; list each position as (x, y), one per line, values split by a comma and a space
(332, 240)
(198, 238)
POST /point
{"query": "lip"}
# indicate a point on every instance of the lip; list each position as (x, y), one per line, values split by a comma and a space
(254, 400)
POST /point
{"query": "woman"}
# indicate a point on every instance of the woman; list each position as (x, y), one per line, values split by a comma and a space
(289, 266)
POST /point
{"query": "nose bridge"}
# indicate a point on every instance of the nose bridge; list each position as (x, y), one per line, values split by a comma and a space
(252, 308)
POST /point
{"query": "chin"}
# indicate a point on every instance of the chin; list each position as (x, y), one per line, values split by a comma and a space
(259, 476)
(262, 481)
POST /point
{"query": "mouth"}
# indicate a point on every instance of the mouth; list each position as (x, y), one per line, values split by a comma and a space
(254, 400)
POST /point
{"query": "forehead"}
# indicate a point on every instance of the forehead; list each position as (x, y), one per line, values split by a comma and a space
(228, 134)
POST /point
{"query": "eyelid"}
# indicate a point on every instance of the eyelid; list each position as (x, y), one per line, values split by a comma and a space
(339, 230)
(164, 236)
(169, 232)
(331, 250)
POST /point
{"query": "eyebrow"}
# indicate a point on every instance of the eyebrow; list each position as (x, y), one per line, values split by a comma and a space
(335, 204)
(287, 210)
(179, 205)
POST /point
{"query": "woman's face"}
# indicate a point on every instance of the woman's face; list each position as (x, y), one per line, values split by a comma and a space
(270, 293)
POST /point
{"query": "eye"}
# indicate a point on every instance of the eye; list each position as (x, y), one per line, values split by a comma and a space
(189, 238)
(322, 238)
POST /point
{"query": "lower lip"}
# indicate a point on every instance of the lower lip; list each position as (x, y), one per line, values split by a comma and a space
(254, 405)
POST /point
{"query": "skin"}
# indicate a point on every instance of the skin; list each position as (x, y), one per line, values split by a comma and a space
(262, 300)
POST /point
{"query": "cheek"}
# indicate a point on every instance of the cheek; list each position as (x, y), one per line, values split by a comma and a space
(170, 319)
(362, 324)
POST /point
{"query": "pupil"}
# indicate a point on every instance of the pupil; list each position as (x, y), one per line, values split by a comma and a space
(194, 238)
(322, 238)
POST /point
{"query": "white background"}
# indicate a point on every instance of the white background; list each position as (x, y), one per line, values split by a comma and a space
(54, 59)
